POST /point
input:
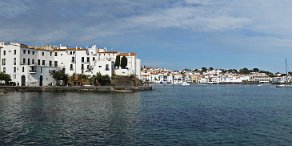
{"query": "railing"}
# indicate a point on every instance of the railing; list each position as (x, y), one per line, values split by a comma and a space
(32, 71)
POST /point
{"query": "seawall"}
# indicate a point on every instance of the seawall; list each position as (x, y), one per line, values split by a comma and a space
(5, 89)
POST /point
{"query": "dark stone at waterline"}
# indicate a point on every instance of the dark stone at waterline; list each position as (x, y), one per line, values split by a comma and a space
(4, 89)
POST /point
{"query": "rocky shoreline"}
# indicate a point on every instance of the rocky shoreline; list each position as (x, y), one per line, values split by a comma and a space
(118, 89)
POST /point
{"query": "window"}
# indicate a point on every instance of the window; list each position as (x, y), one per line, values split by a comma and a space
(28, 61)
(32, 61)
(43, 62)
(14, 52)
(14, 62)
(88, 60)
(43, 53)
(71, 66)
(32, 52)
(24, 51)
(50, 63)
(4, 61)
(82, 66)
(82, 59)
(87, 66)
(56, 53)
(73, 59)
(107, 67)
(14, 69)
(51, 53)
(4, 52)
(70, 52)
(4, 70)
(56, 63)
(28, 52)
(22, 69)
(23, 61)
(93, 58)
(39, 62)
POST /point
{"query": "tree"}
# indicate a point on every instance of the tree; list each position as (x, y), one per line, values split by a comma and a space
(255, 70)
(105, 80)
(270, 74)
(234, 71)
(95, 79)
(60, 75)
(211, 68)
(5, 77)
(124, 62)
(204, 69)
(118, 61)
(244, 71)
(99, 79)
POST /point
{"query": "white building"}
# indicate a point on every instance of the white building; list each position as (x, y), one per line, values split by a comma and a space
(31, 66)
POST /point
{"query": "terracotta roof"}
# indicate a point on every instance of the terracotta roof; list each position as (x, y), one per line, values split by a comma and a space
(145, 75)
(40, 49)
(128, 54)
(108, 52)
(70, 49)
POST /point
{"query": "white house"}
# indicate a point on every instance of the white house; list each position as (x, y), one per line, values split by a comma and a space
(31, 66)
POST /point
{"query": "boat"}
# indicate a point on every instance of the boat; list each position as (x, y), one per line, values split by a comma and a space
(284, 86)
(286, 83)
(185, 84)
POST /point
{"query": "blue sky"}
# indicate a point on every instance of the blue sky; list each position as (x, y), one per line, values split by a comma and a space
(175, 34)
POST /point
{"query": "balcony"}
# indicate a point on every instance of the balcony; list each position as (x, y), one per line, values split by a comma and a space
(32, 70)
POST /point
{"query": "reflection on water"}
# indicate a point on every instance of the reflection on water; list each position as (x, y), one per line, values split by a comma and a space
(67, 118)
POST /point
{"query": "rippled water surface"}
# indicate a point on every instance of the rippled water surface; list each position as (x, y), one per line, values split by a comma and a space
(168, 115)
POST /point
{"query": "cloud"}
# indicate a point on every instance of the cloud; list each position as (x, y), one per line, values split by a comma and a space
(191, 18)
(89, 20)
(197, 1)
(14, 8)
(77, 21)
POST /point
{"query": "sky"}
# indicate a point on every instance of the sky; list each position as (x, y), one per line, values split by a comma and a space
(174, 34)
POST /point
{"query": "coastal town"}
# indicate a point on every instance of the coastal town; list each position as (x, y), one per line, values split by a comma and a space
(212, 76)
(36, 65)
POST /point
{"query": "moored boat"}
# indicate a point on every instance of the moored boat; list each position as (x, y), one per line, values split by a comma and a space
(185, 84)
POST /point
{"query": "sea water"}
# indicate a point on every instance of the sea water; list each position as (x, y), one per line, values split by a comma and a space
(167, 115)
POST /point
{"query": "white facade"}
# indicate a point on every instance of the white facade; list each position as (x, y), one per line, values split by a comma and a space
(31, 66)
(24, 65)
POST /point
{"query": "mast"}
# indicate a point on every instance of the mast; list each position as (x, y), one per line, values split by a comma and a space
(286, 70)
